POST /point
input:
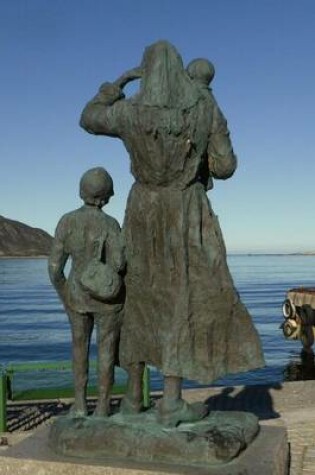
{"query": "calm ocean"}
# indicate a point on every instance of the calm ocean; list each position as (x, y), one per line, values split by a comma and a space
(34, 327)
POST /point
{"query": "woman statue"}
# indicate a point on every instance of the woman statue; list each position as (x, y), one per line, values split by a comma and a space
(182, 313)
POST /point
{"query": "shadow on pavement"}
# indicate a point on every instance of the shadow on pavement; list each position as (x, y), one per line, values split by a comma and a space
(255, 399)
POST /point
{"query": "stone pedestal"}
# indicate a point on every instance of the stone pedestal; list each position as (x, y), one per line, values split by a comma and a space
(267, 455)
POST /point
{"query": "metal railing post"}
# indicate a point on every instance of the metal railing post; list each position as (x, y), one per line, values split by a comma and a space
(146, 387)
(3, 402)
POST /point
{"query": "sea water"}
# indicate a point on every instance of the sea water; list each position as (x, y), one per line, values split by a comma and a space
(35, 328)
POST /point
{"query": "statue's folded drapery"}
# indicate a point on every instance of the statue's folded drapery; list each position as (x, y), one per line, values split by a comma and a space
(182, 312)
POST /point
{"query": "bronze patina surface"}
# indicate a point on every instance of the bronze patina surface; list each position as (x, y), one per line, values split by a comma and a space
(182, 313)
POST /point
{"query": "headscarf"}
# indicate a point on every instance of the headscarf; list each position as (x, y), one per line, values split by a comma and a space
(165, 83)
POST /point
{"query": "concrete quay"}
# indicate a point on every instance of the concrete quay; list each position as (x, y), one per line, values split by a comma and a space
(291, 405)
(287, 404)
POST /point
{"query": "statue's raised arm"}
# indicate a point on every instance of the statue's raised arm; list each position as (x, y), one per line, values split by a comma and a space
(99, 117)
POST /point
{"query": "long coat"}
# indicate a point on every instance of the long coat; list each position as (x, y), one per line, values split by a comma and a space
(182, 312)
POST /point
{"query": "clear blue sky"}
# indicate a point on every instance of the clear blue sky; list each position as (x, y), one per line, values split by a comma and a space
(55, 53)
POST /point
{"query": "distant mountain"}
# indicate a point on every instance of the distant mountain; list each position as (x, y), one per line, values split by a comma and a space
(19, 240)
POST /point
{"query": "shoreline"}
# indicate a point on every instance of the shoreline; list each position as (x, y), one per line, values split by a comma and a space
(249, 254)
(25, 257)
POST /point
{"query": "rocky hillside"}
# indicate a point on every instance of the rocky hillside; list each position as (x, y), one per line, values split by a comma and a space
(19, 240)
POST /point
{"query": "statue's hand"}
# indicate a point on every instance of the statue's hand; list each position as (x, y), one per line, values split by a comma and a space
(211, 164)
(64, 295)
(109, 88)
(62, 289)
(109, 93)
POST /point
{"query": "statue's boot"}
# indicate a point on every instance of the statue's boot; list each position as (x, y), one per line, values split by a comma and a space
(173, 409)
(132, 402)
(102, 408)
(181, 412)
(78, 410)
(130, 405)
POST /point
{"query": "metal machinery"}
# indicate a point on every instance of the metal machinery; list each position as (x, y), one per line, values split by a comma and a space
(299, 314)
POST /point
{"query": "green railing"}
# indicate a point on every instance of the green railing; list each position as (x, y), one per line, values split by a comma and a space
(7, 391)
(3, 402)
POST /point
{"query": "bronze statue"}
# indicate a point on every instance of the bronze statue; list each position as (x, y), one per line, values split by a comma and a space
(182, 312)
(93, 293)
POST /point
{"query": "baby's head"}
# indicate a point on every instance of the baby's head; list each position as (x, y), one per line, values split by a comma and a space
(201, 70)
(96, 187)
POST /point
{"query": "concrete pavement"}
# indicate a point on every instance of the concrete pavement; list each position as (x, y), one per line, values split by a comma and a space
(289, 404)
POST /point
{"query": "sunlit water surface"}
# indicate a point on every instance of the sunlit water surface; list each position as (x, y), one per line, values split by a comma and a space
(34, 327)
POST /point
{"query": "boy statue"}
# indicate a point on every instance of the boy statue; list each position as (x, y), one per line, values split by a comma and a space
(93, 292)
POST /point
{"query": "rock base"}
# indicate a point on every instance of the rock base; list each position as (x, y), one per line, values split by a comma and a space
(216, 439)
